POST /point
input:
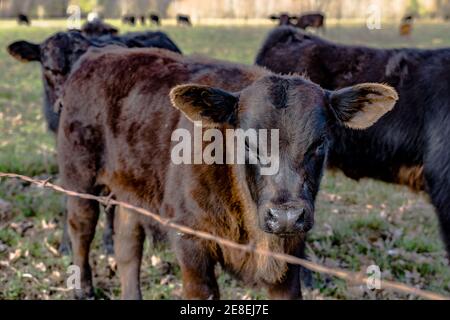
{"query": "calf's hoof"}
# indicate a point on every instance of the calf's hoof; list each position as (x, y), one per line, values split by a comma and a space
(108, 244)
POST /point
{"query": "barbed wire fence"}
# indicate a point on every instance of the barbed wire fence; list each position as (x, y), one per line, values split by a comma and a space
(348, 276)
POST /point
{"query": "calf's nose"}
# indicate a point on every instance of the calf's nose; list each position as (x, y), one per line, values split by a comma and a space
(285, 221)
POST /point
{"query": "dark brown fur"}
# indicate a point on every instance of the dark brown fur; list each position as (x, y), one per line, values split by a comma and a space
(141, 179)
(58, 54)
(116, 130)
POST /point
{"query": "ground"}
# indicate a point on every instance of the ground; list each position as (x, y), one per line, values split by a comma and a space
(357, 223)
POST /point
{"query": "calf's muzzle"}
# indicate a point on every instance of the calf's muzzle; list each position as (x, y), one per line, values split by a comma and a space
(287, 220)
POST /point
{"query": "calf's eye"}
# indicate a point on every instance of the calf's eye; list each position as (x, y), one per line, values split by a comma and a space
(320, 148)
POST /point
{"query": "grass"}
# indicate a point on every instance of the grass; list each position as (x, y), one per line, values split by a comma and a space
(357, 224)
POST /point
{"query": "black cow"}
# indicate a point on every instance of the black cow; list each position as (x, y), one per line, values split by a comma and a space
(97, 28)
(184, 20)
(142, 20)
(154, 19)
(22, 19)
(408, 146)
(147, 39)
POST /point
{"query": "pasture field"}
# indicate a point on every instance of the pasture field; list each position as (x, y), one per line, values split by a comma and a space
(357, 224)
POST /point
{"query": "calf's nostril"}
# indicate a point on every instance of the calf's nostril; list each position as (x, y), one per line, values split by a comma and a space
(301, 215)
(300, 218)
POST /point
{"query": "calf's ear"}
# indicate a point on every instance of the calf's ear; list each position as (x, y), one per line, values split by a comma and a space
(25, 51)
(210, 105)
(360, 106)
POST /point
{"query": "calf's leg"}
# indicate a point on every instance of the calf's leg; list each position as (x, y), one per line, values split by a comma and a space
(65, 246)
(79, 161)
(82, 220)
(197, 269)
(128, 244)
(289, 288)
(108, 242)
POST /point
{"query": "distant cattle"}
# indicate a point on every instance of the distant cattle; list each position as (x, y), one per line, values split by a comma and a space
(311, 20)
(117, 127)
(409, 145)
(409, 17)
(406, 26)
(23, 19)
(97, 28)
(183, 20)
(283, 19)
(129, 19)
(154, 19)
(142, 19)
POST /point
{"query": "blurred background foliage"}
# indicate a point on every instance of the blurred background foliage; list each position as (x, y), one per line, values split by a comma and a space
(227, 8)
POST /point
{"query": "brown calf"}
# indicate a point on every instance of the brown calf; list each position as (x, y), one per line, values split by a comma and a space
(116, 131)
(57, 54)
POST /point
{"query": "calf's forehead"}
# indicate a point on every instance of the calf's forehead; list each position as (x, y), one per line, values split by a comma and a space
(65, 42)
(62, 50)
(293, 105)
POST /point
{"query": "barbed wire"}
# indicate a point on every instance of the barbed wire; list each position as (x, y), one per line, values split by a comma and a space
(350, 277)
